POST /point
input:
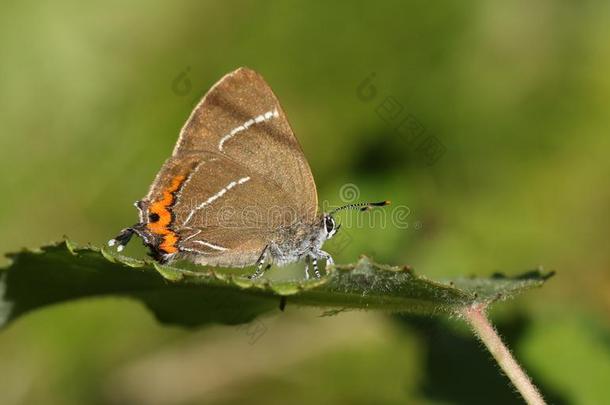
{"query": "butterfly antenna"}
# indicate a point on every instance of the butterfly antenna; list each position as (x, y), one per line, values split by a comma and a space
(363, 206)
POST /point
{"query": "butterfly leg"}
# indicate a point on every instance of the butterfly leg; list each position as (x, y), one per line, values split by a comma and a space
(316, 272)
(326, 256)
(259, 265)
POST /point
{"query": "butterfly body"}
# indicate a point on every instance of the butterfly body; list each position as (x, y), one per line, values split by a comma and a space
(297, 242)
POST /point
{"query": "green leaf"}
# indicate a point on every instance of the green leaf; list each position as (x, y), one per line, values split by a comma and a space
(186, 297)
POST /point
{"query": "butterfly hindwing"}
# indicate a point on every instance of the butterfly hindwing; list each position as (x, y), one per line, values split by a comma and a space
(211, 207)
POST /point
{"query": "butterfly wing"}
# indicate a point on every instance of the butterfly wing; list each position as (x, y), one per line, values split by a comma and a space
(236, 177)
(241, 118)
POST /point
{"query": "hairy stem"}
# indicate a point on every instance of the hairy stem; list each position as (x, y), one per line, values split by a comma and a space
(477, 318)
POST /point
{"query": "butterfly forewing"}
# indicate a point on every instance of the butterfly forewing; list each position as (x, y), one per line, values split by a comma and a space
(241, 118)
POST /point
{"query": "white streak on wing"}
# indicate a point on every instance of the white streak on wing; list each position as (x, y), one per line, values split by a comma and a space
(192, 236)
(210, 245)
(215, 197)
(256, 120)
(199, 252)
(190, 176)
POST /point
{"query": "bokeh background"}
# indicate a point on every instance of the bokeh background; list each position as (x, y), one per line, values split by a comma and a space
(512, 97)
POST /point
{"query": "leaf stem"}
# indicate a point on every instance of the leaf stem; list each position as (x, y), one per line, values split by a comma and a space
(477, 318)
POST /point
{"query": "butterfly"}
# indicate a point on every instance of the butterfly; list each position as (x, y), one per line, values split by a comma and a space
(237, 190)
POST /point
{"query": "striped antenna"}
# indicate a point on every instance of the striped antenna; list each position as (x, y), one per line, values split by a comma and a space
(363, 206)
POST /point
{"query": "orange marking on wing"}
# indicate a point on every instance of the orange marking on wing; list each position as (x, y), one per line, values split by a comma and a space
(169, 243)
(161, 208)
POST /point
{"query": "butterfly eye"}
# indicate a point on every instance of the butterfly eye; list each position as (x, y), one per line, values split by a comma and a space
(330, 224)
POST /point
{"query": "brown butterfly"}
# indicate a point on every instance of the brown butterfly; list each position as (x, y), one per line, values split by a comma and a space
(237, 190)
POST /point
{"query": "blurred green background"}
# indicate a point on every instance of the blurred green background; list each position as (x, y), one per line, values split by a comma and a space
(517, 94)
